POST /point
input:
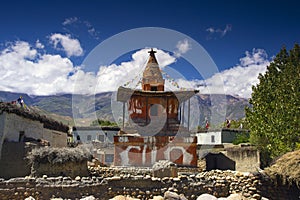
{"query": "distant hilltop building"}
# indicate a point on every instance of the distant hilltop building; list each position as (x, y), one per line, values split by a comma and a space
(155, 129)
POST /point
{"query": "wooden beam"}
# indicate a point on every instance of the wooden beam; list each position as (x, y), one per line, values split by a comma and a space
(123, 115)
(189, 105)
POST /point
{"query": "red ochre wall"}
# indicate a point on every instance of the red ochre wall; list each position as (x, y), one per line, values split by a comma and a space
(145, 151)
(137, 106)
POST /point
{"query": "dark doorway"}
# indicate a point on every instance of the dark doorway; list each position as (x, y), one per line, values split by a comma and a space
(153, 88)
(21, 136)
(218, 161)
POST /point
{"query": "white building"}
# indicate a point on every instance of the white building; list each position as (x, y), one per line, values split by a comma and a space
(95, 133)
(17, 125)
(219, 137)
(101, 138)
(209, 138)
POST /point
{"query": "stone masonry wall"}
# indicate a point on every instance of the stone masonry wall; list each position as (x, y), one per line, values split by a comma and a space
(71, 169)
(11, 125)
(140, 184)
(12, 159)
(246, 158)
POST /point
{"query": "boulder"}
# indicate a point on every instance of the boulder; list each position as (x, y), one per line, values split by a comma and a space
(121, 197)
(207, 197)
(173, 196)
(88, 198)
(30, 198)
(234, 197)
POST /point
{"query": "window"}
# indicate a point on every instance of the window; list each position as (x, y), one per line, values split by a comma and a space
(213, 139)
(21, 136)
(153, 88)
(101, 138)
(88, 137)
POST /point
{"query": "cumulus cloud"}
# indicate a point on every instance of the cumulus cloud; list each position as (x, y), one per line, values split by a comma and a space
(218, 32)
(69, 45)
(239, 79)
(70, 20)
(24, 68)
(39, 45)
(182, 47)
(129, 73)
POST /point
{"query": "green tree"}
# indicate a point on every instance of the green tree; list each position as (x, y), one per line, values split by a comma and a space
(274, 116)
(100, 122)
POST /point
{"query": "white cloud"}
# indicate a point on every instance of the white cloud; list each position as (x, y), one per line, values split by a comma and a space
(24, 69)
(112, 76)
(39, 45)
(71, 46)
(182, 47)
(69, 21)
(210, 30)
(238, 80)
(218, 32)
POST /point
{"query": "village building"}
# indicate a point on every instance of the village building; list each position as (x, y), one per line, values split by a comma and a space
(155, 129)
(88, 134)
(219, 137)
(20, 131)
(101, 139)
(217, 149)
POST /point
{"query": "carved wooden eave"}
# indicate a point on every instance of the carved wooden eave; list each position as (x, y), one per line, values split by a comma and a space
(124, 94)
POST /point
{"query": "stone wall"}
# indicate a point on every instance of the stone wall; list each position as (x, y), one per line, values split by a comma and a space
(12, 161)
(2, 136)
(56, 138)
(14, 124)
(71, 169)
(246, 158)
(140, 184)
(11, 125)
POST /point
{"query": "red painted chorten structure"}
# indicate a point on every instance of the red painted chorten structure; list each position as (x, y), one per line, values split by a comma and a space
(156, 127)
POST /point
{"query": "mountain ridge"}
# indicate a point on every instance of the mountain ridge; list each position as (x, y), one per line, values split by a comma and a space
(60, 106)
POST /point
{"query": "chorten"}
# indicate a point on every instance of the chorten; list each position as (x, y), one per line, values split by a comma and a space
(157, 127)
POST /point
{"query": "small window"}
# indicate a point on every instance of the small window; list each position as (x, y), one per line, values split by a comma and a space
(88, 137)
(101, 138)
(153, 88)
(21, 136)
(213, 139)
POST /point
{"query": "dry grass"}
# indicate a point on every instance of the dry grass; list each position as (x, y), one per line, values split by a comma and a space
(54, 155)
(286, 168)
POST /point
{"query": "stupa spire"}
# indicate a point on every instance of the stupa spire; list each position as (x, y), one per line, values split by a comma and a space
(152, 77)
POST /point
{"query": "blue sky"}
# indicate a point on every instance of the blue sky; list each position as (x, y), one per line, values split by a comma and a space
(236, 34)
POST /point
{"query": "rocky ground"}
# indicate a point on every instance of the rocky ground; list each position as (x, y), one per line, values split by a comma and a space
(168, 196)
(138, 183)
(130, 183)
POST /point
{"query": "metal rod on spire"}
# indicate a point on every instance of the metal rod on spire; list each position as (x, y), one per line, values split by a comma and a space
(151, 52)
